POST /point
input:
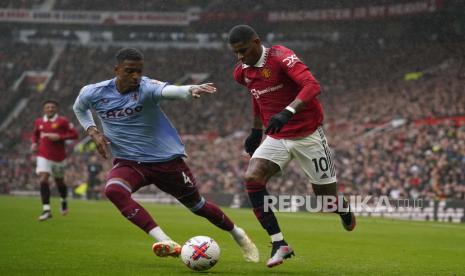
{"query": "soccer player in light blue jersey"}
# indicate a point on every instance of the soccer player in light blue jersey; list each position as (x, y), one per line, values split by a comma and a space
(147, 148)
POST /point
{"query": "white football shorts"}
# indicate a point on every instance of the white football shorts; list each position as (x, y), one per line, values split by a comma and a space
(55, 169)
(311, 152)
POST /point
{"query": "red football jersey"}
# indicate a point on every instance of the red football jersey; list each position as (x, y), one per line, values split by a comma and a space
(274, 82)
(53, 150)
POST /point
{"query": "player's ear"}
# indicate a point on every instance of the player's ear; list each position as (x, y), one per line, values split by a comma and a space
(115, 69)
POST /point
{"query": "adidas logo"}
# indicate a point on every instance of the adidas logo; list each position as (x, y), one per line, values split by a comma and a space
(324, 176)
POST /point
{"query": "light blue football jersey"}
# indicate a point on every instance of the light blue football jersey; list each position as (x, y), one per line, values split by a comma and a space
(133, 122)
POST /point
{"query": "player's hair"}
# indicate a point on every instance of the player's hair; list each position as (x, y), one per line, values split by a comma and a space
(241, 33)
(129, 54)
(50, 101)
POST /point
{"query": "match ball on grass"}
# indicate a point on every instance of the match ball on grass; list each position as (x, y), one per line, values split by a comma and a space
(200, 253)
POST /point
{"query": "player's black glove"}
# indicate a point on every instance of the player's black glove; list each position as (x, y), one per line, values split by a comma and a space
(277, 121)
(253, 141)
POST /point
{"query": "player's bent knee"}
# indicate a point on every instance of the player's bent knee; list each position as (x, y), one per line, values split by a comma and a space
(198, 205)
(254, 177)
(116, 191)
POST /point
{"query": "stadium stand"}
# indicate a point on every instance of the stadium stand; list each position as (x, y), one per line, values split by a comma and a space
(399, 103)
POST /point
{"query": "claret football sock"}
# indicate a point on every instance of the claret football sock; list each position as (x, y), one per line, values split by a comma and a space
(214, 214)
(130, 209)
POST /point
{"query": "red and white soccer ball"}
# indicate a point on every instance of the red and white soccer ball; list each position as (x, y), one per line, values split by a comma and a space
(200, 253)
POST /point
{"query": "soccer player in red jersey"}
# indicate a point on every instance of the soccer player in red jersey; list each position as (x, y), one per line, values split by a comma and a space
(48, 141)
(284, 97)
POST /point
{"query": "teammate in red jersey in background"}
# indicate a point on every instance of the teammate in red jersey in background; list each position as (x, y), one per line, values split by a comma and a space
(48, 141)
(284, 100)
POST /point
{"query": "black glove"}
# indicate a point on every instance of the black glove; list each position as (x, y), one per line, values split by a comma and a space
(253, 141)
(277, 121)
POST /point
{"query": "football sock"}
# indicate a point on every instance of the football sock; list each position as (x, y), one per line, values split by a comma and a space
(121, 198)
(64, 204)
(257, 193)
(46, 207)
(63, 190)
(277, 237)
(214, 214)
(45, 192)
(158, 234)
(235, 232)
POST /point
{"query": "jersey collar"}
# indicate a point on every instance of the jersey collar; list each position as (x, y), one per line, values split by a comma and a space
(45, 118)
(261, 62)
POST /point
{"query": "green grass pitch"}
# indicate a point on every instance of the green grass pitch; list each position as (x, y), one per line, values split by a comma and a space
(94, 239)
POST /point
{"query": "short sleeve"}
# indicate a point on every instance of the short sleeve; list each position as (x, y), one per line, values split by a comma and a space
(154, 88)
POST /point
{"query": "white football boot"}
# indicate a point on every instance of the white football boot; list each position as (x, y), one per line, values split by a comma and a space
(281, 250)
(249, 250)
(45, 216)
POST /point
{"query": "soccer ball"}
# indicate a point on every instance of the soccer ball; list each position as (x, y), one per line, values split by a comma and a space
(200, 253)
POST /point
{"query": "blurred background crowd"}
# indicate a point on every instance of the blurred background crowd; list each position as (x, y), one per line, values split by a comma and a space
(393, 92)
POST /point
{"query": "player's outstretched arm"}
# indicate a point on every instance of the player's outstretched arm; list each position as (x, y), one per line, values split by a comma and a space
(173, 92)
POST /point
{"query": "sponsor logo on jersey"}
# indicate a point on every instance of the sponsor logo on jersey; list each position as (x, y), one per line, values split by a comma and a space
(266, 73)
(120, 112)
(291, 60)
(257, 92)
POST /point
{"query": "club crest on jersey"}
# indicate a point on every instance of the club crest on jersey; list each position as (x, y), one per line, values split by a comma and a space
(54, 125)
(266, 73)
(135, 96)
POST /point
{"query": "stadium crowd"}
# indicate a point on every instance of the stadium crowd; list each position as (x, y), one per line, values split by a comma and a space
(362, 95)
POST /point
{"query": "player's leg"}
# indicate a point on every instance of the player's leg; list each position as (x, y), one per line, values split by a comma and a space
(176, 179)
(347, 216)
(257, 175)
(314, 156)
(121, 182)
(58, 173)
(43, 170)
(268, 159)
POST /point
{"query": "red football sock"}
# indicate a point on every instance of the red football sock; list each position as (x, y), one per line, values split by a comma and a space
(121, 198)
